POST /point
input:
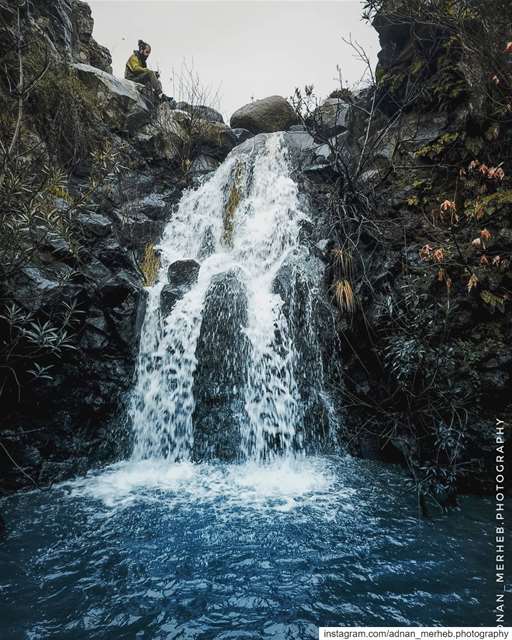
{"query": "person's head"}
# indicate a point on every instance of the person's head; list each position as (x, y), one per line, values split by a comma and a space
(144, 48)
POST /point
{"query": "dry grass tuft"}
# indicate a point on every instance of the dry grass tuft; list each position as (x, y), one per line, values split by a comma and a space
(342, 259)
(150, 265)
(344, 296)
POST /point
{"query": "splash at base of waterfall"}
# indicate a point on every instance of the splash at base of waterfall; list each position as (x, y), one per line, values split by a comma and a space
(281, 484)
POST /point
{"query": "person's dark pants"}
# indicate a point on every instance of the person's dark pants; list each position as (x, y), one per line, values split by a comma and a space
(148, 78)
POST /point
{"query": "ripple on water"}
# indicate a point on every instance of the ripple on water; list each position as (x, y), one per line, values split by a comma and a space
(145, 550)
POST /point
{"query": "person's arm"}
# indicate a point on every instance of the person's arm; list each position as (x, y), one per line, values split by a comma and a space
(135, 65)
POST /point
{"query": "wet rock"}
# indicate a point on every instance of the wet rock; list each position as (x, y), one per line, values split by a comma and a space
(242, 134)
(169, 296)
(182, 275)
(312, 323)
(95, 224)
(207, 245)
(204, 164)
(265, 116)
(222, 355)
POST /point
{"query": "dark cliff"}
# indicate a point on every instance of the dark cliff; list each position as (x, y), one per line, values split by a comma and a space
(419, 187)
(92, 170)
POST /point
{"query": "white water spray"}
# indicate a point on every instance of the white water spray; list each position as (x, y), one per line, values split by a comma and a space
(245, 219)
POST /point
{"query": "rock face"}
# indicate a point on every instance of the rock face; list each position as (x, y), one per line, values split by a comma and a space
(181, 275)
(331, 118)
(264, 116)
(68, 412)
(85, 48)
(175, 134)
(67, 27)
(300, 283)
(419, 348)
(122, 103)
(71, 420)
(221, 354)
(200, 111)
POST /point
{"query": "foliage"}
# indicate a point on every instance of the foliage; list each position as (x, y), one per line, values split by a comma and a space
(66, 115)
(30, 347)
(39, 207)
(432, 267)
(192, 129)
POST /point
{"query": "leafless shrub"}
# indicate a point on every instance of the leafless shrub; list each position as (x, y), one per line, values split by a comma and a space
(186, 131)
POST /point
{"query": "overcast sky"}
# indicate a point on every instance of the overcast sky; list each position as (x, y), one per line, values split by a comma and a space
(245, 49)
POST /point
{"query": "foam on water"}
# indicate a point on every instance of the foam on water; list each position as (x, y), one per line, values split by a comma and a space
(280, 484)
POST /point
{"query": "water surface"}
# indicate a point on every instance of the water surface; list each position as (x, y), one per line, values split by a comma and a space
(157, 550)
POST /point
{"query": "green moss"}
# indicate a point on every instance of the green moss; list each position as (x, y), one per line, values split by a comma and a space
(438, 147)
(67, 115)
(485, 206)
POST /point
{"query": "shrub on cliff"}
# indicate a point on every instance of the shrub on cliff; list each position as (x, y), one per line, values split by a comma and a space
(420, 200)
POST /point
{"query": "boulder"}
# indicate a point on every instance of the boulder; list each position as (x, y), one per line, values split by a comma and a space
(213, 139)
(120, 99)
(331, 118)
(182, 275)
(173, 130)
(201, 111)
(265, 116)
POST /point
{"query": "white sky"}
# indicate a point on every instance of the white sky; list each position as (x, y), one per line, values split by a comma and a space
(243, 48)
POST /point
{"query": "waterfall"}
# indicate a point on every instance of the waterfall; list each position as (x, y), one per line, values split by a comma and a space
(240, 226)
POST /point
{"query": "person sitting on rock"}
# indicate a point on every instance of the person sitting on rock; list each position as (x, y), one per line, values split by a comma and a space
(137, 69)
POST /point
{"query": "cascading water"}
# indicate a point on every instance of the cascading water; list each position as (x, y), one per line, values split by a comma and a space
(244, 221)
